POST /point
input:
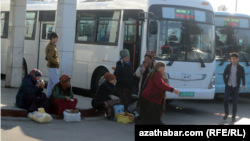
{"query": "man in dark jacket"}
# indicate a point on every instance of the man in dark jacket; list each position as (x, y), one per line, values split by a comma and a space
(232, 76)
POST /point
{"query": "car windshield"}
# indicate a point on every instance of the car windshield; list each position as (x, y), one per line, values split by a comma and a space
(230, 40)
(183, 40)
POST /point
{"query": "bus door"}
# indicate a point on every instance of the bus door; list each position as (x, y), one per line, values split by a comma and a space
(46, 29)
(132, 41)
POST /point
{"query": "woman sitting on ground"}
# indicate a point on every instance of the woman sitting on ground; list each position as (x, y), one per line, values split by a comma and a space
(104, 98)
(153, 92)
(62, 95)
(30, 95)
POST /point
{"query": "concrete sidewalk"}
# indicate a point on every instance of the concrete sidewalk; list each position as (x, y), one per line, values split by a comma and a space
(8, 96)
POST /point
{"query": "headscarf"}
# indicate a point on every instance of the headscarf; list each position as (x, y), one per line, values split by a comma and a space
(108, 76)
(64, 79)
(156, 67)
(150, 54)
(62, 86)
(34, 73)
(151, 73)
(124, 53)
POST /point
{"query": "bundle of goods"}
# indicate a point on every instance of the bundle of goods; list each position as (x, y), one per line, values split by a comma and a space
(125, 118)
(41, 116)
(72, 115)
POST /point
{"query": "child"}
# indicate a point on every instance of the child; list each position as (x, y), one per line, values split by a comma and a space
(104, 98)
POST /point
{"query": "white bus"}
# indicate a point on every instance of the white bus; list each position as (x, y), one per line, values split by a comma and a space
(104, 28)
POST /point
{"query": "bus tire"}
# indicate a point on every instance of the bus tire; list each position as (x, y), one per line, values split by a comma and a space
(24, 69)
(99, 79)
(168, 101)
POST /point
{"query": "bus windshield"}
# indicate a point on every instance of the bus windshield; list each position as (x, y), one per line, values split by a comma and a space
(230, 40)
(182, 41)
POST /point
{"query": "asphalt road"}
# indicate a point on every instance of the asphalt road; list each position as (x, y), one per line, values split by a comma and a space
(205, 111)
(59, 130)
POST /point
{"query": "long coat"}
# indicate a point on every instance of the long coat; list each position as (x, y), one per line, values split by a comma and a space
(28, 87)
(140, 73)
(155, 89)
(124, 76)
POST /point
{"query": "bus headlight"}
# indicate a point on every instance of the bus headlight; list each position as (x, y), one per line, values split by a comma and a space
(212, 82)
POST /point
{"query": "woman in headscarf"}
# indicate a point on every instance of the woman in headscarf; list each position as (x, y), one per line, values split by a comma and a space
(153, 92)
(124, 75)
(143, 70)
(104, 98)
(30, 95)
(62, 95)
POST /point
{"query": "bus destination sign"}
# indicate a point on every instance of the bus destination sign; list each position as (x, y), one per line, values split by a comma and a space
(184, 14)
(231, 22)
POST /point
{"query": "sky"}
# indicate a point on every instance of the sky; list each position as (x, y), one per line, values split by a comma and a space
(242, 5)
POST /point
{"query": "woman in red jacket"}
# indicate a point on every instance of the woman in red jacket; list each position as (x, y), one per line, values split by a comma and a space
(153, 92)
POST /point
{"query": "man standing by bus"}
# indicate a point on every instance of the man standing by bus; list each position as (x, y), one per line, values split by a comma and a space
(232, 76)
(53, 62)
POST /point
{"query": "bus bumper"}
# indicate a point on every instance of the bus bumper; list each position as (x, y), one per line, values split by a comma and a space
(192, 93)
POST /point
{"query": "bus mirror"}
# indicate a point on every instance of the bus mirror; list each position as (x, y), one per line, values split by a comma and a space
(153, 27)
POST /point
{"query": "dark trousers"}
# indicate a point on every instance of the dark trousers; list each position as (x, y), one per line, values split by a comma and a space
(235, 96)
(33, 102)
(109, 111)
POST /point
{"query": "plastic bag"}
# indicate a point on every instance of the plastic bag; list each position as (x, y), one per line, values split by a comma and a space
(71, 116)
(41, 117)
(118, 109)
(113, 97)
(132, 107)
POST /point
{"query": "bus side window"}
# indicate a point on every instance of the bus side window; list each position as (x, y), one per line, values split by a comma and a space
(4, 24)
(85, 30)
(107, 27)
(30, 24)
(47, 30)
(98, 27)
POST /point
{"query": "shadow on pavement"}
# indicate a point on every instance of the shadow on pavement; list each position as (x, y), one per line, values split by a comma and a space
(7, 126)
(173, 109)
